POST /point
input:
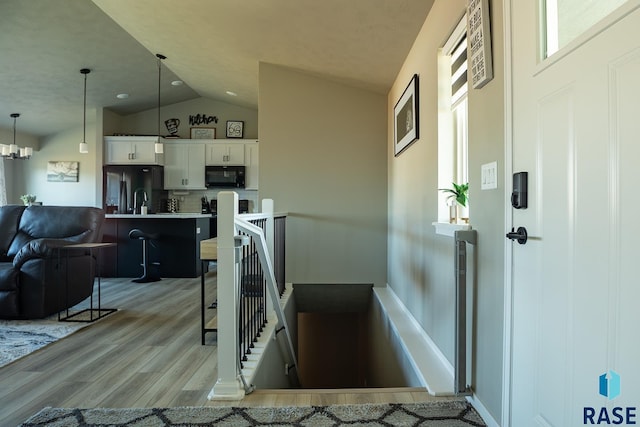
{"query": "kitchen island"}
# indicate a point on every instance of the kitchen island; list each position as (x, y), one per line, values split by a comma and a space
(177, 248)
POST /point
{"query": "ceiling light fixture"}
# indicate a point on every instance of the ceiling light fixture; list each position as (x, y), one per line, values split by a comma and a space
(84, 147)
(12, 151)
(159, 147)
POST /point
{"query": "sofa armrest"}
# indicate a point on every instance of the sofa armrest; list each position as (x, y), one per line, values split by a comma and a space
(38, 249)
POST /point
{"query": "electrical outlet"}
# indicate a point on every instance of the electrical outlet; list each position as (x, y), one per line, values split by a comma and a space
(489, 176)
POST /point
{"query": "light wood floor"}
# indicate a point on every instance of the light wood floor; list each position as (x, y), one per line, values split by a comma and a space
(148, 354)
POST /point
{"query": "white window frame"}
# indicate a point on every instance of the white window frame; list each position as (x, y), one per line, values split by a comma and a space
(452, 121)
(564, 21)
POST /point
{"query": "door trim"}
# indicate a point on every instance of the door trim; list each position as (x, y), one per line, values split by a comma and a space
(507, 350)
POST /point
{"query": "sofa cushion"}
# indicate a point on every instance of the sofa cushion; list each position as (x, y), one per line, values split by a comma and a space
(9, 220)
(9, 298)
(73, 223)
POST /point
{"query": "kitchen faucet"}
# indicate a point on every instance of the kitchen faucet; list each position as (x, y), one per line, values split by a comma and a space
(135, 199)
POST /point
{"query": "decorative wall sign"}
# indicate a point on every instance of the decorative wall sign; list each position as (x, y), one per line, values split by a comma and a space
(62, 171)
(203, 133)
(202, 119)
(479, 37)
(235, 129)
(172, 126)
(405, 124)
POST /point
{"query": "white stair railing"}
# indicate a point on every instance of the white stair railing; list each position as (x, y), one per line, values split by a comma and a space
(230, 384)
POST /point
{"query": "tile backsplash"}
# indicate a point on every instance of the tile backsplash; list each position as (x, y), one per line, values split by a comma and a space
(189, 201)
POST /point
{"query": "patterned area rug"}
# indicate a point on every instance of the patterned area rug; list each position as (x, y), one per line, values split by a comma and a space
(444, 414)
(21, 337)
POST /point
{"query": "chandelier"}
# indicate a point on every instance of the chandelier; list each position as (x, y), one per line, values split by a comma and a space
(12, 151)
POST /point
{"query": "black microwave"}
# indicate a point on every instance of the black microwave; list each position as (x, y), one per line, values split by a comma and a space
(224, 176)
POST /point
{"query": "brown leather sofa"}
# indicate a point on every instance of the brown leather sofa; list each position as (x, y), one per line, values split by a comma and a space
(32, 275)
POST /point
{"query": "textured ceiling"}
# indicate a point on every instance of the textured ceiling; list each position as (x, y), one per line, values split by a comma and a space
(212, 45)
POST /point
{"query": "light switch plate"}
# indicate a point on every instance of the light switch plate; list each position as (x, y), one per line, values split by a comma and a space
(489, 176)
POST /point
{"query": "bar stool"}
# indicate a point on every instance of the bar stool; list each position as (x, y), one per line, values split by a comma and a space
(145, 237)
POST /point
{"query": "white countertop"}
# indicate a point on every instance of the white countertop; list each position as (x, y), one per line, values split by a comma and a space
(185, 215)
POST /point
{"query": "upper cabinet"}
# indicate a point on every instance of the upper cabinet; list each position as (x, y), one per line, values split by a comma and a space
(184, 166)
(127, 150)
(222, 153)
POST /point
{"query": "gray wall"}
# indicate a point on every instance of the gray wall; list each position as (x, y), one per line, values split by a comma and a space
(420, 262)
(14, 168)
(323, 160)
(486, 144)
(64, 147)
(146, 122)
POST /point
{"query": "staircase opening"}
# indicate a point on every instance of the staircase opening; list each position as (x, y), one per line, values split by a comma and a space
(340, 343)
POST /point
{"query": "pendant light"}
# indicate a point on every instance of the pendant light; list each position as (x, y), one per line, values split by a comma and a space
(12, 151)
(84, 147)
(159, 147)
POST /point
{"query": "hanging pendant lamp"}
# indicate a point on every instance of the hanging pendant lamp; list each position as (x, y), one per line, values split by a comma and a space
(12, 151)
(84, 147)
(159, 147)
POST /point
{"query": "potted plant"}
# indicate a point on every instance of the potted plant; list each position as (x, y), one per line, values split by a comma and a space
(458, 199)
(28, 199)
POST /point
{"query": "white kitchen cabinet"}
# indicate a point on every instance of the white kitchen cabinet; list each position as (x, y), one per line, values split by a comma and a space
(184, 166)
(225, 153)
(251, 151)
(128, 150)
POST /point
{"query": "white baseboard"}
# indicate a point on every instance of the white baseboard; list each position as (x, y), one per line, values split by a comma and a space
(431, 366)
(486, 416)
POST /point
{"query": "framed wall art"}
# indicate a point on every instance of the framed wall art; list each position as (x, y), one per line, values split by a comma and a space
(405, 124)
(203, 133)
(235, 129)
(62, 171)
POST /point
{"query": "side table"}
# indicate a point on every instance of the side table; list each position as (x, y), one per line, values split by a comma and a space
(94, 313)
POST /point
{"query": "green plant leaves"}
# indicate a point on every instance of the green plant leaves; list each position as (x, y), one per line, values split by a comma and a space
(459, 192)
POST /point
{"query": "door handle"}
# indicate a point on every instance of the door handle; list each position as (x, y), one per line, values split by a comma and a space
(520, 235)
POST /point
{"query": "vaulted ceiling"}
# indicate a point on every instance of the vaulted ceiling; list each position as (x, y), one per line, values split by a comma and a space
(213, 46)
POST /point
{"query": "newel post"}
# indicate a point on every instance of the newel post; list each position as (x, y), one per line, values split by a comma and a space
(228, 385)
(269, 236)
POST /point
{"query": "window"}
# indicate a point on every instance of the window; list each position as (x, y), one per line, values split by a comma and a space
(564, 20)
(452, 115)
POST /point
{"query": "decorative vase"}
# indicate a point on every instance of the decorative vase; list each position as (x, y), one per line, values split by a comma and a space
(453, 213)
(462, 214)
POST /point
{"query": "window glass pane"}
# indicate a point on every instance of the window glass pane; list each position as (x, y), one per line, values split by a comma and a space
(567, 19)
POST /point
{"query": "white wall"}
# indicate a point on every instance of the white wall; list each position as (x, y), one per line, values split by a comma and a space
(420, 262)
(323, 160)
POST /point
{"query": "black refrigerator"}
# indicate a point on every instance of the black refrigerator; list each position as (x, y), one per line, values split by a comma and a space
(124, 184)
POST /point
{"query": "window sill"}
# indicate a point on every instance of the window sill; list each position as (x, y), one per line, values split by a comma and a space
(447, 229)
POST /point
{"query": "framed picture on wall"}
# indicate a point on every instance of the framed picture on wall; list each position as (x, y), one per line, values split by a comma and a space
(62, 171)
(203, 133)
(235, 129)
(405, 123)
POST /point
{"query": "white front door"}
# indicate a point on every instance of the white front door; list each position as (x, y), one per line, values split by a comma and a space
(576, 282)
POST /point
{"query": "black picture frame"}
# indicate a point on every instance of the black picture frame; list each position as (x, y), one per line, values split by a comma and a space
(406, 123)
(235, 129)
